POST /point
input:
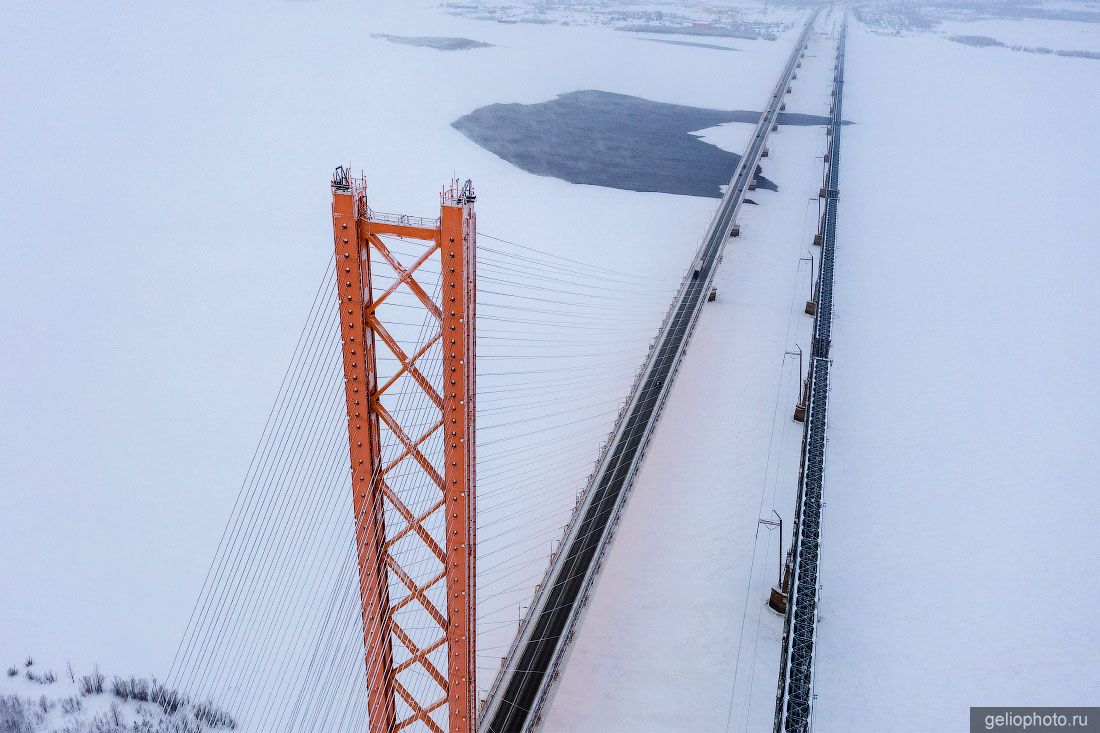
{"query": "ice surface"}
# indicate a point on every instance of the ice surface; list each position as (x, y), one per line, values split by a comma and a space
(188, 151)
(960, 525)
(165, 224)
(1063, 38)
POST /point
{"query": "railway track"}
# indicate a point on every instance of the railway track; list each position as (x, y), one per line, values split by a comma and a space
(794, 697)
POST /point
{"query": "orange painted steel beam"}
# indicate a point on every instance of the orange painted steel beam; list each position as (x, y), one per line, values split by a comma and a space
(373, 429)
(403, 230)
(457, 249)
(360, 382)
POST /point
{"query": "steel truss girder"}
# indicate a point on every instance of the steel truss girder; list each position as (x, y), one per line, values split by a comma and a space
(794, 701)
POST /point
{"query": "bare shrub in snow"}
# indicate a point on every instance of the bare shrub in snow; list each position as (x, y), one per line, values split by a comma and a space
(137, 705)
(139, 689)
(135, 688)
(105, 724)
(14, 717)
(116, 714)
(209, 713)
(112, 721)
(182, 723)
(43, 679)
(92, 684)
(12, 671)
(170, 701)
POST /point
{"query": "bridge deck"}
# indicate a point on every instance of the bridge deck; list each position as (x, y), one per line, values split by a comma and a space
(677, 625)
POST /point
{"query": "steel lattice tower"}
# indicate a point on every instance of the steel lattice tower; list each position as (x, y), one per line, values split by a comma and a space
(416, 549)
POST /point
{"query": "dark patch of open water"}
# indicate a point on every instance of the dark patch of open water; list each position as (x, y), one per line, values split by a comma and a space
(439, 43)
(692, 44)
(615, 140)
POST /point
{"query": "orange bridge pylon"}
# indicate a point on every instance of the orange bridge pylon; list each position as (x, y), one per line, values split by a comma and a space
(410, 406)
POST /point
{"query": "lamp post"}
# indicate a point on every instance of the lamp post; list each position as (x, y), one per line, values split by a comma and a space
(777, 600)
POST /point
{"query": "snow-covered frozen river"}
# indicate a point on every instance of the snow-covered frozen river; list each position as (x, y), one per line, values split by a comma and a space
(165, 222)
(960, 521)
(165, 228)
